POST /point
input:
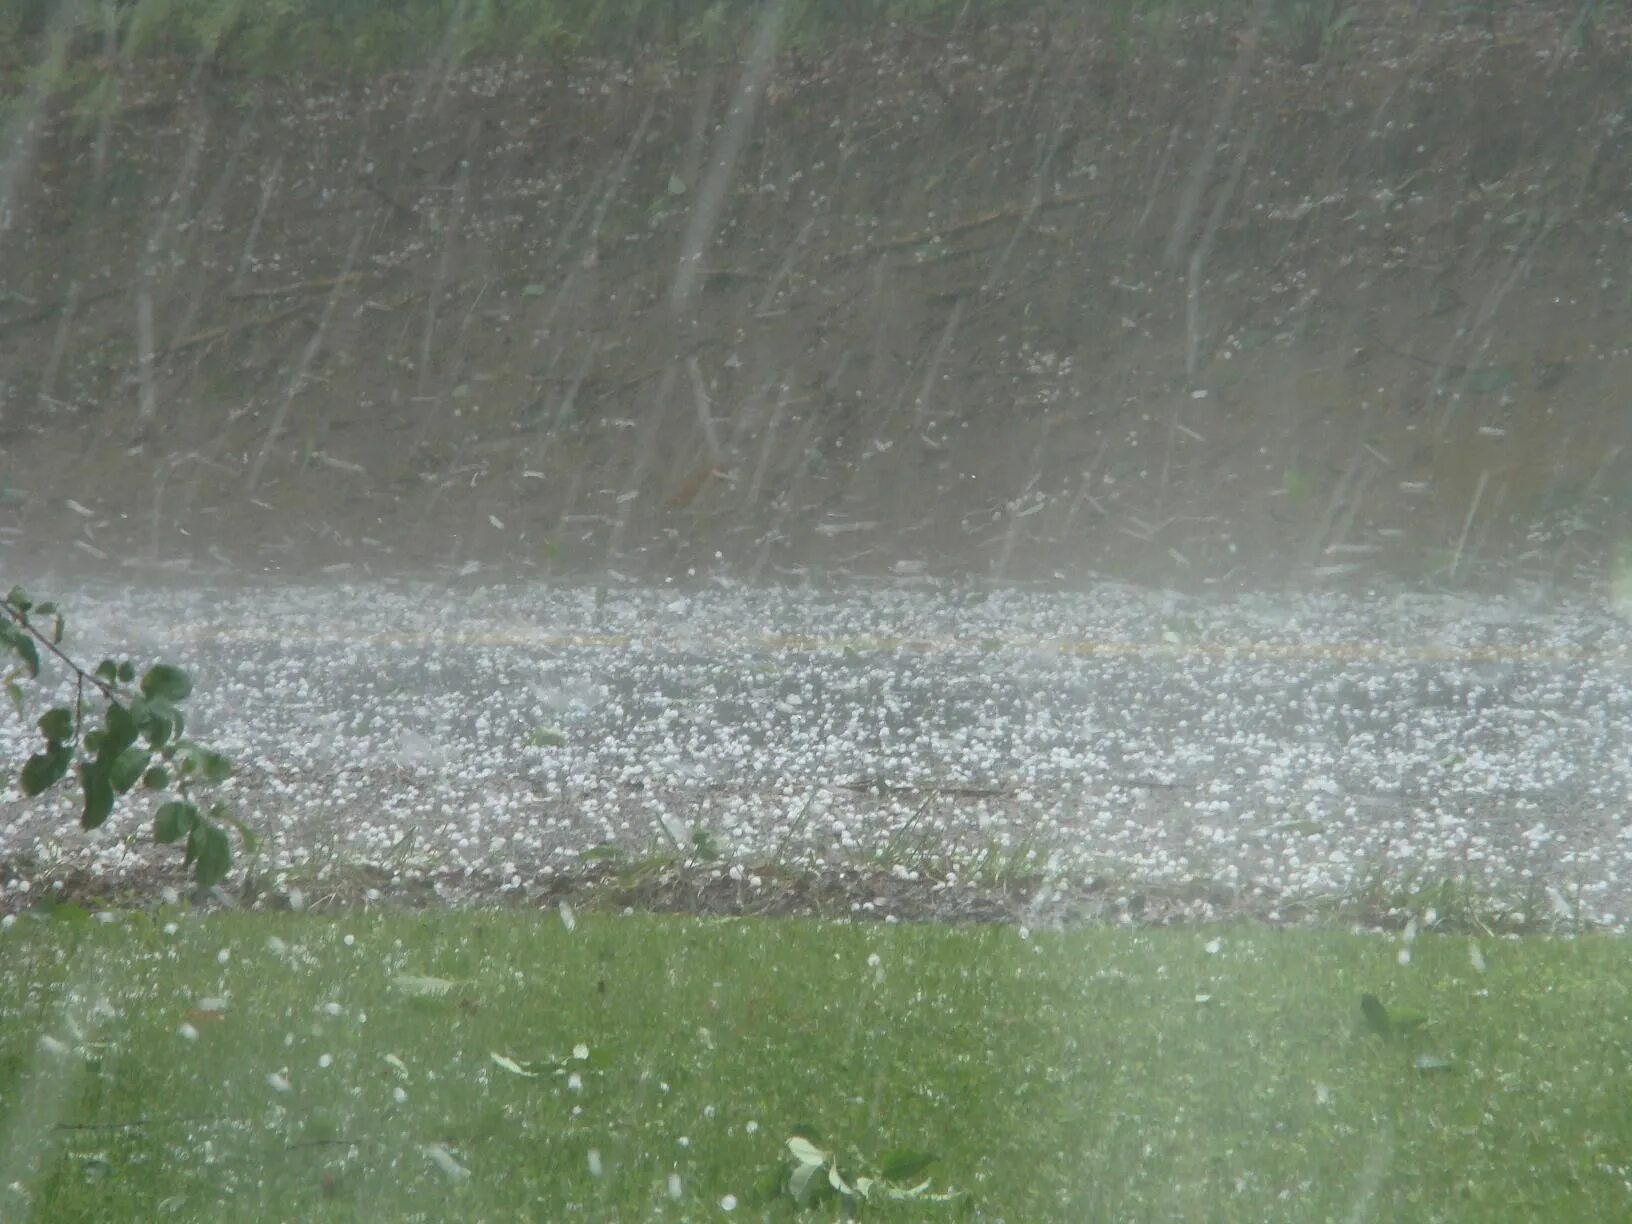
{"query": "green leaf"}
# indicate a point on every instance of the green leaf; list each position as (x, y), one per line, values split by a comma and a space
(156, 778)
(18, 598)
(1390, 1022)
(158, 720)
(94, 779)
(127, 769)
(904, 1164)
(107, 671)
(57, 725)
(48, 611)
(210, 853)
(120, 731)
(216, 767)
(127, 672)
(45, 769)
(21, 645)
(1371, 1007)
(1404, 1020)
(174, 820)
(166, 682)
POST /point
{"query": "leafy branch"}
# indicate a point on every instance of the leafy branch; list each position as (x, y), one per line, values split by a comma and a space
(140, 739)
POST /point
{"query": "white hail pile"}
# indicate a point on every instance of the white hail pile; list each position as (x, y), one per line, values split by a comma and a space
(1279, 746)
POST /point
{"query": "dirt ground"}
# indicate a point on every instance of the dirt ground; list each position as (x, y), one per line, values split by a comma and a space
(1186, 302)
(836, 895)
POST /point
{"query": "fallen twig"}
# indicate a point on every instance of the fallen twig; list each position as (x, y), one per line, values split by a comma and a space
(308, 286)
(227, 329)
(1012, 212)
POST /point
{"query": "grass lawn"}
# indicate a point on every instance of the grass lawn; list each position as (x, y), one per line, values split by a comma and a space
(467, 1066)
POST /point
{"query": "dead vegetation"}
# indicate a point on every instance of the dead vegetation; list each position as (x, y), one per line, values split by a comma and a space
(1039, 296)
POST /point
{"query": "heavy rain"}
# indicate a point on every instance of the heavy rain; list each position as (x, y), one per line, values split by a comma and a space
(986, 609)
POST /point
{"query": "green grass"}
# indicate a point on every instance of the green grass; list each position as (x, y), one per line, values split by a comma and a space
(1092, 1075)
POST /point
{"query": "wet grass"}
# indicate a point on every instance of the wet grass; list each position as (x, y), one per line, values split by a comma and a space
(305, 1067)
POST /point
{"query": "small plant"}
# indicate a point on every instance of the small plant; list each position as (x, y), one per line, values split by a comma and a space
(1389, 1022)
(139, 740)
